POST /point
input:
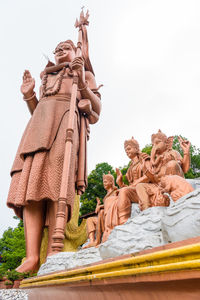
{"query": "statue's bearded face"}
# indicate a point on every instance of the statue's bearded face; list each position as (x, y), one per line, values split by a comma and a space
(64, 53)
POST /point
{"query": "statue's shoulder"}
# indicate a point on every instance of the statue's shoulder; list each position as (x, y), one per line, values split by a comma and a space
(144, 156)
(175, 154)
(89, 75)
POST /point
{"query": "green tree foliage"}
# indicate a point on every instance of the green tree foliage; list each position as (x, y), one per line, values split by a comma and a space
(12, 247)
(95, 188)
(147, 149)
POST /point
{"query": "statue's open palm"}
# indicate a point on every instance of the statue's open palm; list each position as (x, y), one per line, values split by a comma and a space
(185, 144)
(119, 177)
(28, 84)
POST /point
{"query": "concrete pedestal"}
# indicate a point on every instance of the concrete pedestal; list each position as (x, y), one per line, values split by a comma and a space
(167, 272)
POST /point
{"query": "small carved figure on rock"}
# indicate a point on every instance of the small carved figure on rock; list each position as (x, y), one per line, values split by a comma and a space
(105, 221)
(95, 225)
(164, 161)
(176, 186)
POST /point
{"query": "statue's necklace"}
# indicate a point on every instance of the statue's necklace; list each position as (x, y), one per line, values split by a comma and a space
(51, 91)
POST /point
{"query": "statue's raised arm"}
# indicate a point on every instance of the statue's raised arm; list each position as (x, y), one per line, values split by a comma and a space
(27, 89)
(185, 145)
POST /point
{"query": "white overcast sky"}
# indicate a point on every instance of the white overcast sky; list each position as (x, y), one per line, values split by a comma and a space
(145, 52)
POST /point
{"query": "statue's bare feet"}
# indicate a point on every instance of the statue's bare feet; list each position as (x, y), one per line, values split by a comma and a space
(91, 244)
(30, 265)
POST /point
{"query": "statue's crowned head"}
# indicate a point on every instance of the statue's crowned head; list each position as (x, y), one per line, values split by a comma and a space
(133, 144)
(68, 46)
(160, 136)
(66, 42)
(108, 181)
(109, 177)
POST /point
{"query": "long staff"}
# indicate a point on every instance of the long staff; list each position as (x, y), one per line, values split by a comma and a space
(62, 210)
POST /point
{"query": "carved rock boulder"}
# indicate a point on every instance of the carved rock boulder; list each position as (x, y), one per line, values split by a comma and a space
(142, 231)
(67, 260)
(182, 218)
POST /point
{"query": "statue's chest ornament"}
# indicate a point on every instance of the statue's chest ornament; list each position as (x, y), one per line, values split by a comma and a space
(51, 84)
(134, 170)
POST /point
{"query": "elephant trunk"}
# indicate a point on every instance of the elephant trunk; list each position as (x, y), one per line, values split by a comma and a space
(153, 155)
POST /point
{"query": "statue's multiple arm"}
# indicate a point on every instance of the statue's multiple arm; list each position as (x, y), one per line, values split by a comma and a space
(149, 174)
(86, 86)
(185, 145)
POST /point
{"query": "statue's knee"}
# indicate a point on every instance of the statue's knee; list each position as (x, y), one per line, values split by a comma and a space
(90, 223)
(123, 198)
(140, 187)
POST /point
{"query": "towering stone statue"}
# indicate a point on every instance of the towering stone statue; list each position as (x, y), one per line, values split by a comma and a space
(37, 170)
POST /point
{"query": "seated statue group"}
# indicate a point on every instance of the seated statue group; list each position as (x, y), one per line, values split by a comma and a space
(153, 180)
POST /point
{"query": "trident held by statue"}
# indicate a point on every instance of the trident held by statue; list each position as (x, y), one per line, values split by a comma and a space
(62, 209)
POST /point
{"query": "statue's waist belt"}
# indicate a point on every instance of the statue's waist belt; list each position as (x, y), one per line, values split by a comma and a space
(58, 97)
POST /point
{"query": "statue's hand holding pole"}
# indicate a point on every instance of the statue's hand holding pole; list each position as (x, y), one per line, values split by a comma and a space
(78, 66)
(84, 105)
